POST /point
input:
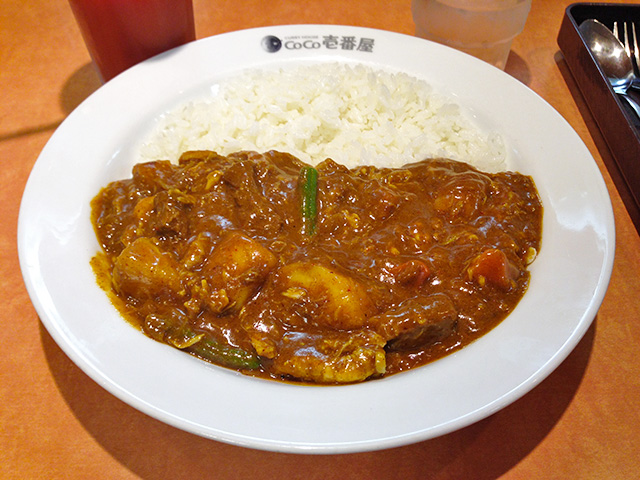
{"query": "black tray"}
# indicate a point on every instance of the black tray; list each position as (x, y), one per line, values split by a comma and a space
(619, 125)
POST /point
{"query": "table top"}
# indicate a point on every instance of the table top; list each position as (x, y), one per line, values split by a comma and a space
(583, 421)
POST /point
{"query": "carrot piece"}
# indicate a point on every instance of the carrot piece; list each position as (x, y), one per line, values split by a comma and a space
(492, 266)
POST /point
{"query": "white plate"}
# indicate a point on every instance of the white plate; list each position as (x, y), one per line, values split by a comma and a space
(95, 145)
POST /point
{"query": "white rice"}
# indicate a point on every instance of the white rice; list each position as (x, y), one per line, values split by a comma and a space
(353, 114)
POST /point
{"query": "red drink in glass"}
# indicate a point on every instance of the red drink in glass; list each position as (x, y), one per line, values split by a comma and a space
(121, 33)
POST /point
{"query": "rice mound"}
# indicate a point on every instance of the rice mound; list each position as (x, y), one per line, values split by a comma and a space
(352, 114)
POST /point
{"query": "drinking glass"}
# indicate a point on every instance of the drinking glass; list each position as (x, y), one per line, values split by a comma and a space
(121, 33)
(482, 28)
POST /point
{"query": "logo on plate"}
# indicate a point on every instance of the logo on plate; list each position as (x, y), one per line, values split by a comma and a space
(271, 44)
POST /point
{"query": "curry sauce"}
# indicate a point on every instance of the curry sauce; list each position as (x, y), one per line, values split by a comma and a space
(264, 264)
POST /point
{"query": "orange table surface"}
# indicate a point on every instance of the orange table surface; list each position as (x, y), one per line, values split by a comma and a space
(582, 422)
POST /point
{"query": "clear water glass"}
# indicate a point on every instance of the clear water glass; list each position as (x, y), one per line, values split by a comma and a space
(482, 28)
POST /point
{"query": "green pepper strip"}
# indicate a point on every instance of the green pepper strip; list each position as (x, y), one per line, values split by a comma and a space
(225, 355)
(309, 182)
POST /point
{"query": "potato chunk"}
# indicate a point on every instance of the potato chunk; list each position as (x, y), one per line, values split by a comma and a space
(144, 272)
(343, 302)
(235, 271)
(333, 357)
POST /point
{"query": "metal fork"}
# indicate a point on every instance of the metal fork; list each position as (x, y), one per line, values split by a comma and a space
(629, 38)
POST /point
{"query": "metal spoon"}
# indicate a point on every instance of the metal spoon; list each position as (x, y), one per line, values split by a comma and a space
(612, 57)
